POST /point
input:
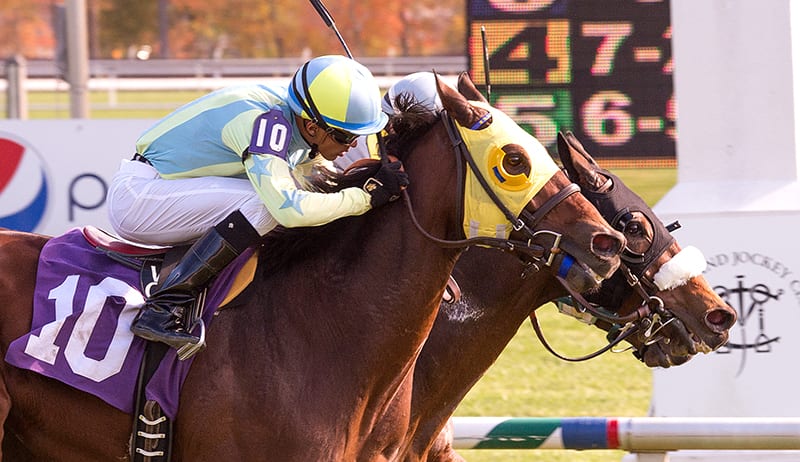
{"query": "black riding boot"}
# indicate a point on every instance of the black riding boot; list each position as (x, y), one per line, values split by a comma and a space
(158, 319)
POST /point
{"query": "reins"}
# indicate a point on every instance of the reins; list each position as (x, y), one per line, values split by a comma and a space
(649, 318)
(629, 330)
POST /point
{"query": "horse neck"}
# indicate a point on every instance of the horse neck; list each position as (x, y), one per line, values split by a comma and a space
(435, 195)
(468, 336)
(19, 256)
(364, 299)
(416, 267)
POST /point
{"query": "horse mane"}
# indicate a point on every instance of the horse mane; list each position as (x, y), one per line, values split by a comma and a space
(282, 245)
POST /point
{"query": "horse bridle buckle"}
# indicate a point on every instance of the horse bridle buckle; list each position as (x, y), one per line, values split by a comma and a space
(555, 248)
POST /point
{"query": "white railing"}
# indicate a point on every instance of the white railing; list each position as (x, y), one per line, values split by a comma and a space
(217, 68)
(648, 438)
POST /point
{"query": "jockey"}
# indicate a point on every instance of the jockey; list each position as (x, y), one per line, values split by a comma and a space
(217, 172)
(419, 86)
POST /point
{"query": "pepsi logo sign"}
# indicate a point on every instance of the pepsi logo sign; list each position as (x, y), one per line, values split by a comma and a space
(23, 186)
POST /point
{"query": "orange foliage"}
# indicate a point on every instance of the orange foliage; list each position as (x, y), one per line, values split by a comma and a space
(245, 28)
(26, 29)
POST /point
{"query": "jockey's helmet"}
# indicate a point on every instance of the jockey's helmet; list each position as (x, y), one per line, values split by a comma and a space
(337, 92)
(419, 85)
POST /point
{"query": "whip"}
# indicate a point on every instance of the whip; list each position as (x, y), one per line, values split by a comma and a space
(326, 16)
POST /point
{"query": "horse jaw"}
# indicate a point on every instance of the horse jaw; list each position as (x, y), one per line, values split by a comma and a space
(696, 335)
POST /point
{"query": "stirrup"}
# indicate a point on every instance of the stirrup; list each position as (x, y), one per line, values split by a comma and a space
(190, 349)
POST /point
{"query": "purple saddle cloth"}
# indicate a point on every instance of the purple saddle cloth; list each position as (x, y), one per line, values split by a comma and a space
(83, 306)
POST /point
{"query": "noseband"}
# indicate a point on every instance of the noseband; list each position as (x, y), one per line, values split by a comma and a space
(524, 223)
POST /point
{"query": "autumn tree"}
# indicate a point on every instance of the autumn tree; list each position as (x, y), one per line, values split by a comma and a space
(124, 24)
(243, 28)
(26, 28)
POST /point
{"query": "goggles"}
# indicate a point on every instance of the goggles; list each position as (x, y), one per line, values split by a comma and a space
(341, 136)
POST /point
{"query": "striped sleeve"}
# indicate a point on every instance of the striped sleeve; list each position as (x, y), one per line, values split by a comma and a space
(295, 207)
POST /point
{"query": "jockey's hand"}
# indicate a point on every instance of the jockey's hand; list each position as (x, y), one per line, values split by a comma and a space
(387, 184)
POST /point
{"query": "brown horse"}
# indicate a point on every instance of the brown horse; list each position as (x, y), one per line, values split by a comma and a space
(493, 305)
(303, 363)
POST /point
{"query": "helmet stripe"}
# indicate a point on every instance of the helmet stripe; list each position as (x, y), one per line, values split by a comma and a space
(335, 103)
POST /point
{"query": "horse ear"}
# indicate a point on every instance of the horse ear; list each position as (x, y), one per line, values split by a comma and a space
(458, 107)
(452, 101)
(580, 166)
(467, 88)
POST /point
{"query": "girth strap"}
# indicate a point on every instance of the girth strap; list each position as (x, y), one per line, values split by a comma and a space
(151, 440)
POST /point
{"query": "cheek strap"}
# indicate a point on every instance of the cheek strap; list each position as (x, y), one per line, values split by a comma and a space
(688, 263)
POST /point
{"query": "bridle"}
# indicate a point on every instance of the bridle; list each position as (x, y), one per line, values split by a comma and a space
(649, 319)
(651, 316)
(538, 255)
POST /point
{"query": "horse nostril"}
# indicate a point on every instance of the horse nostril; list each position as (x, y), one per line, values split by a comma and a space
(720, 319)
(606, 244)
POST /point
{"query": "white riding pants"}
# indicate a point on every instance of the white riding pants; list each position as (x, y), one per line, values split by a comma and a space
(146, 208)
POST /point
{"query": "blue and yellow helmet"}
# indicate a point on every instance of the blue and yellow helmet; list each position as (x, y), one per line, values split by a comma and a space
(336, 91)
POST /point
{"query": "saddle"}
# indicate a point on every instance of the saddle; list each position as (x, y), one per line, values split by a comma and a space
(156, 261)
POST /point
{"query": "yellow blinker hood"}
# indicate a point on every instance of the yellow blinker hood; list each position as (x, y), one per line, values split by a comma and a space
(481, 216)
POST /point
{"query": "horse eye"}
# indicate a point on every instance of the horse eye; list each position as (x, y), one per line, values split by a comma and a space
(634, 228)
(512, 161)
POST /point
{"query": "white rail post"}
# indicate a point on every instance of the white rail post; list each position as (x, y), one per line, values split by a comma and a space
(77, 58)
(652, 457)
(16, 93)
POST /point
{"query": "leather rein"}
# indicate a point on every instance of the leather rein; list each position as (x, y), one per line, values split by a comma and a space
(539, 255)
(649, 318)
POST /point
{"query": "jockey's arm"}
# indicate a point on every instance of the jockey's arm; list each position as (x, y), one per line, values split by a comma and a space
(295, 207)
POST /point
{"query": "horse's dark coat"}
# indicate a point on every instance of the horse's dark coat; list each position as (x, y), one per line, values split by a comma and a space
(493, 306)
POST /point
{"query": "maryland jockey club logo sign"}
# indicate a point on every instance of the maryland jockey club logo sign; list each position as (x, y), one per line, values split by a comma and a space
(759, 287)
